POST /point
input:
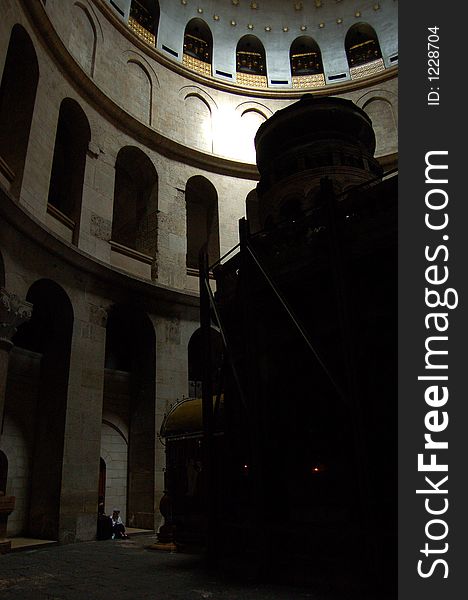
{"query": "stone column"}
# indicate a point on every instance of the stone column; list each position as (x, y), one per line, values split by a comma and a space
(13, 312)
(82, 439)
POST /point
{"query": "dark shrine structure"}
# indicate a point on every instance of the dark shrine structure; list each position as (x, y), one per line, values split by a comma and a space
(298, 478)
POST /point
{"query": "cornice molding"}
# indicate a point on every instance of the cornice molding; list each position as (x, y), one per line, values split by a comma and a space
(154, 294)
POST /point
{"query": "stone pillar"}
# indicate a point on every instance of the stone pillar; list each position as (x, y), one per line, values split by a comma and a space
(82, 439)
(13, 312)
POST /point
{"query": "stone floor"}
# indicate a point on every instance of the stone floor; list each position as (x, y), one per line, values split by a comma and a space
(129, 570)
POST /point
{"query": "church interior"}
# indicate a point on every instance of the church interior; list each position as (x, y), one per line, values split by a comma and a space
(198, 258)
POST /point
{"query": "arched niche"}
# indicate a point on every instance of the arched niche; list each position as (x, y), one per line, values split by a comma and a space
(68, 166)
(134, 221)
(251, 62)
(198, 46)
(252, 211)
(139, 97)
(195, 363)
(251, 120)
(83, 37)
(362, 50)
(129, 411)
(198, 122)
(305, 57)
(144, 19)
(381, 113)
(17, 98)
(37, 398)
(201, 200)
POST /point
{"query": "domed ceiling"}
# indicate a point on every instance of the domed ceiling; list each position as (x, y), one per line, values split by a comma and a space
(283, 16)
(238, 40)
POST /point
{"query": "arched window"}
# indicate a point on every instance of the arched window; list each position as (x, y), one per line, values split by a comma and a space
(363, 51)
(196, 366)
(49, 334)
(17, 98)
(251, 62)
(252, 211)
(128, 429)
(306, 63)
(134, 222)
(198, 46)
(144, 19)
(202, 220)
(68, 167)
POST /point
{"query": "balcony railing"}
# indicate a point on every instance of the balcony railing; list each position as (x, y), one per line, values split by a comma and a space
(308, 81)
(141, 31)
(367, 69)
(195, 64)
(250, 80)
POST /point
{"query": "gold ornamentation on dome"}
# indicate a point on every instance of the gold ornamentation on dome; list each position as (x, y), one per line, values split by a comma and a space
(303, 28)
(285, 29)
(254, 5)
(197, 65)
(321, 25)
(368, 69)
(250, 26)
(248, 80)
(298, 6)
(141, 31)
(308, 81)
(233, 23)
(199, 10)
(357, 13)
(235, 2)
(318, 3)
(376, 6)
(268, 28)
(339, 20)
(215, 17)
(184, 2)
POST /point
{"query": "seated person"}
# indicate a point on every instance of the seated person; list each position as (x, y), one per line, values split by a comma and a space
(104, 524)
(118, 528)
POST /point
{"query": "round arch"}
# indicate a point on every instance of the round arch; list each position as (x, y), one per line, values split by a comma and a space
(129, 405)
(135, 201)
(198, 40)
(47, 336)
(305, 57)
(195, 362)
(361, 45)
(18, 89)
(250, 56)
(201, 200)
(68, 166)
(146, 13)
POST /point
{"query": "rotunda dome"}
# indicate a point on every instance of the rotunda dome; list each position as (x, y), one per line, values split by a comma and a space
(274, 44)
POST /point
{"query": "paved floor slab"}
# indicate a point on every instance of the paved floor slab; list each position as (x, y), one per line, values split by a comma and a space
(128, 570)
